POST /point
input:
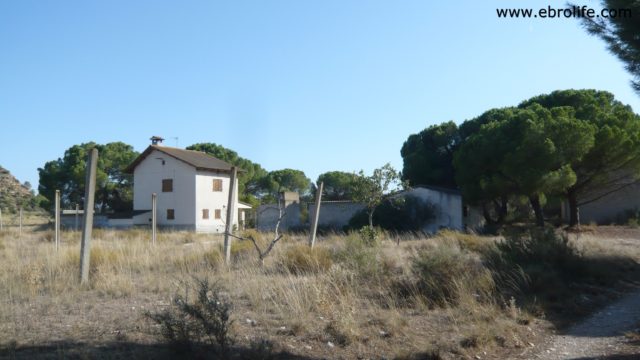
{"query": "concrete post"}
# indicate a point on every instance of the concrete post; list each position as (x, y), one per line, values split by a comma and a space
(231, 209)
(316, 216)
(154, 217)
(57, 219)
(77, 212)
(87, 226)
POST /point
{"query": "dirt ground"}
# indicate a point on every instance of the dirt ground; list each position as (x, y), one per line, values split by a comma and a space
(109, 321)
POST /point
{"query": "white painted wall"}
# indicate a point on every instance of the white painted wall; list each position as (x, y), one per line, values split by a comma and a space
(448, 209)
(148, 176)
(206, 198)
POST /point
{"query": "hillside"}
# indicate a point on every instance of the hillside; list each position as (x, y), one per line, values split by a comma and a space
(13, 194)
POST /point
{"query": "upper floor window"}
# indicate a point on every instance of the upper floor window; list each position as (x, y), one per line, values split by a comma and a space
(217, 184)
(167, 185)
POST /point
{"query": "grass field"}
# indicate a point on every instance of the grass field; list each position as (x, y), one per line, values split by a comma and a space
(448, 296)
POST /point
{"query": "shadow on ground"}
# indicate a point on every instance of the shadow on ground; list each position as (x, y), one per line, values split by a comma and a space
(129, 350)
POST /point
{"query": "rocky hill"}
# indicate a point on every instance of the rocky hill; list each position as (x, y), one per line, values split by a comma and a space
(13, 194)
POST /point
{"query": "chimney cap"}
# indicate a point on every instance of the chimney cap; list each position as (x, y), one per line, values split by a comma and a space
(155, 140)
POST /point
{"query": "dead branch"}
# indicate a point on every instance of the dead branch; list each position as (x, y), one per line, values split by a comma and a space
(262, 254)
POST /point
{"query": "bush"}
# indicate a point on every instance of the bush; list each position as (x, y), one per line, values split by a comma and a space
(403, 213)
(301, 259)
(544, 259)
(446, 273)
(361, 257)
(205, 321)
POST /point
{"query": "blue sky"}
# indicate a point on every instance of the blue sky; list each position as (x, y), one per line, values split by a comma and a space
(311, 85)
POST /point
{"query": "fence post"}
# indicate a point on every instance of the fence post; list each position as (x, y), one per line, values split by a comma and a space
(57, 220)
(154, 217)
(0, 219)
(231, 208)
(77, 211)
(87, 226)
(316, 216)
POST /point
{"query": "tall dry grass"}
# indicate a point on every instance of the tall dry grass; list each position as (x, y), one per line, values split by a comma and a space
(403, 293)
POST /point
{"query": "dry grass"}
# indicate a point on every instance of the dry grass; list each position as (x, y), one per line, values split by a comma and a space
(343, 299)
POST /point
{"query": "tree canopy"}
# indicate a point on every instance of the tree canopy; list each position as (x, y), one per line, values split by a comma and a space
(577, 144)
(373, 189)
(522, 152)
(113, 187)
(621, 34)
(285, 180)
(338, 185)
(612, 160)
(428, 156)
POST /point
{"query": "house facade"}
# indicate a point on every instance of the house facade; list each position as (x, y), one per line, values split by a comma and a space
(192, 189)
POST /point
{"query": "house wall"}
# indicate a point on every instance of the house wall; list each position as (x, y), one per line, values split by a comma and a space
(335, 214)
(608, 209)
(448, 209)
(148, 176)
(206, 198)
(267, 217)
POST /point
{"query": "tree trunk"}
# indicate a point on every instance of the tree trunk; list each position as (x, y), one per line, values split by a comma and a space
(537, 209)
(573, 208)
(501, 209)
(486, 214)
(371, 219)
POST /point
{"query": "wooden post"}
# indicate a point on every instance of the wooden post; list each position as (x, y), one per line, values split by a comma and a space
(0, 219)
(77, 212)
(154, 217)
(316, 216)
(87, 226)
(231, 208)
(57, 220)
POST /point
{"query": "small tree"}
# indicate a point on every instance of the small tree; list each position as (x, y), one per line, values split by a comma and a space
(372, 190)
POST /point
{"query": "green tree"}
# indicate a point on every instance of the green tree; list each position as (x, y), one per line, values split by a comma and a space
(285, 180)
(338, 185)
(372, 190)
(67, 174)
(612, 162)
(522, 152)
(621, 34)
(249, 180)
(428, 156)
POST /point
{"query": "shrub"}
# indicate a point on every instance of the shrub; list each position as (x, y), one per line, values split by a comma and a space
(361, 257)
(369, 236)
(537, 259)
(446, 272)
(402, 213)
(205, 321)
(301, 259)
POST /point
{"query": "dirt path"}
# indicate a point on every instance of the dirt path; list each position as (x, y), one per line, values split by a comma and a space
(599, 337)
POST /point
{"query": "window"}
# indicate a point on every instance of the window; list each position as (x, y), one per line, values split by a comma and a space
(218, 214)
(205, 213)
(167, 185)
(171, 215)
(217, 184)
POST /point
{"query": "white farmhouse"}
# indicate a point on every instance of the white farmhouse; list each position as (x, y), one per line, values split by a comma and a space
(192, 189)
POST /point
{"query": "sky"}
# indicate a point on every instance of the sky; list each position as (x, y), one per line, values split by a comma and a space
(310, 85)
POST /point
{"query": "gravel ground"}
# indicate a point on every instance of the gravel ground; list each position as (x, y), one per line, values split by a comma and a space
(599, 337)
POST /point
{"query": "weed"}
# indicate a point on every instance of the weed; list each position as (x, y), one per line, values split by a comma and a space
(205, 321)
(301, 259)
